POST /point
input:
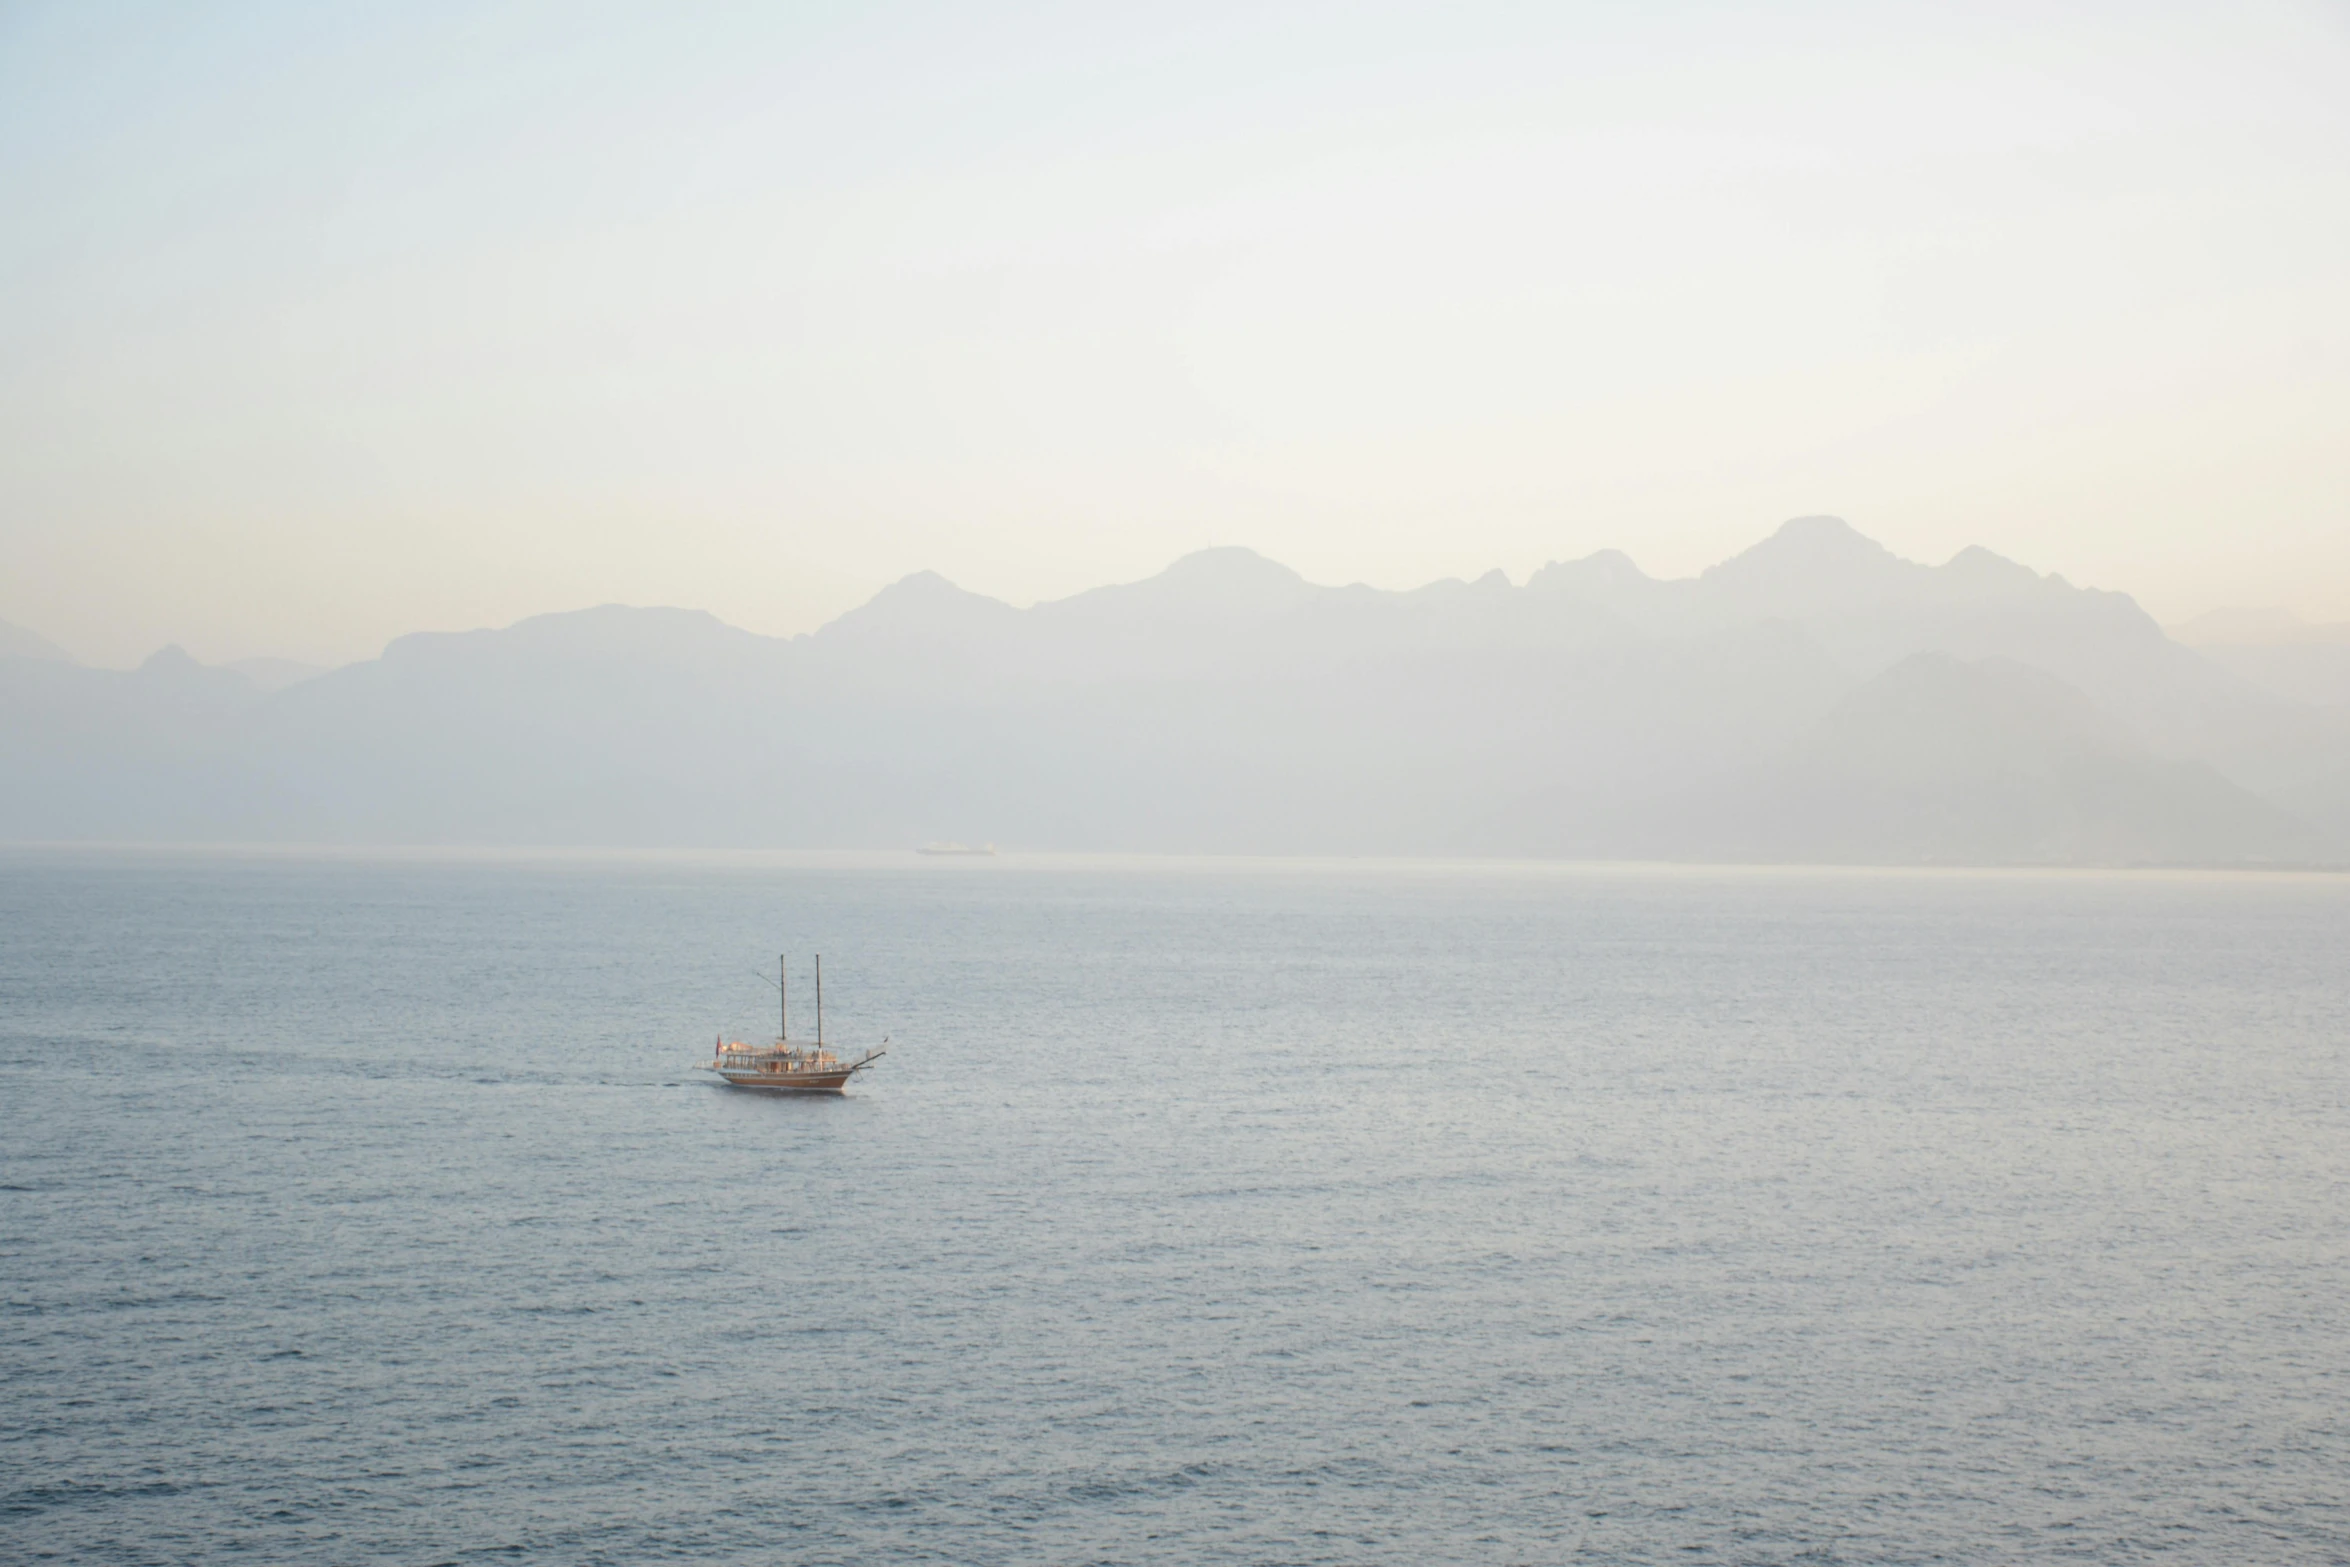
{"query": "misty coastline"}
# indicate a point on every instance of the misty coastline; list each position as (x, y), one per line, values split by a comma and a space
(1814, 699)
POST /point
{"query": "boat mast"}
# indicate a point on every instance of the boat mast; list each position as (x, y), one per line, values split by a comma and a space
(820, 1001)
(783, 999)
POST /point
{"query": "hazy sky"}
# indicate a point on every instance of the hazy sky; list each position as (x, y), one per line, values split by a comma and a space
(323, 323)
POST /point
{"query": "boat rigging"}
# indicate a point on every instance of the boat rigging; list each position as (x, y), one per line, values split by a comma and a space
(786, 1067)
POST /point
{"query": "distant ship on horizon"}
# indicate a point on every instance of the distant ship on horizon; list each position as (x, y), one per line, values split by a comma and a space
(955, 848)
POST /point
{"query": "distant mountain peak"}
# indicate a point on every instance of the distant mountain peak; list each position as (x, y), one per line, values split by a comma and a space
(1815, 540)
(1227, 556)
(1821, 525)
(1598, 574)
(172, 669)
(922, 607)
(927, 589)
(1811, 564)
(645, 627)
(1976, 564)
(1613, 561)
(616, 614)
(1229, 579)
(1230, 566)
(604, 633)
(921, 582)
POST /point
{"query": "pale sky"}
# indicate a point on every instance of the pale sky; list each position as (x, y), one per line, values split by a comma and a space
(321, 324)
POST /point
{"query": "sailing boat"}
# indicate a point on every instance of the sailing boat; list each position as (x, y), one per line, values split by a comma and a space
(784, 1067)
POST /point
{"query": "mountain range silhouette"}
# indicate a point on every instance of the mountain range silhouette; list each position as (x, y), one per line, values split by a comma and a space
(1815, 698)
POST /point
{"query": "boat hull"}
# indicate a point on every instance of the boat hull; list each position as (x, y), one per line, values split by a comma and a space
(790, 1082)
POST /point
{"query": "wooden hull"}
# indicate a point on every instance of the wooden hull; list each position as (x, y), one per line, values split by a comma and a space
(787, 1068)
(791, 1082)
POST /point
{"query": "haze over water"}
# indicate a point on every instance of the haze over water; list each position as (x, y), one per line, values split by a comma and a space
(362, 1209)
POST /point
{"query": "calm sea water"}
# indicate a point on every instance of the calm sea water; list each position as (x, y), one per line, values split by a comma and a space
(363, 1210)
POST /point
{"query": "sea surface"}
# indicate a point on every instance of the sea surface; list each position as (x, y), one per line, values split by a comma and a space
(362, 1209)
